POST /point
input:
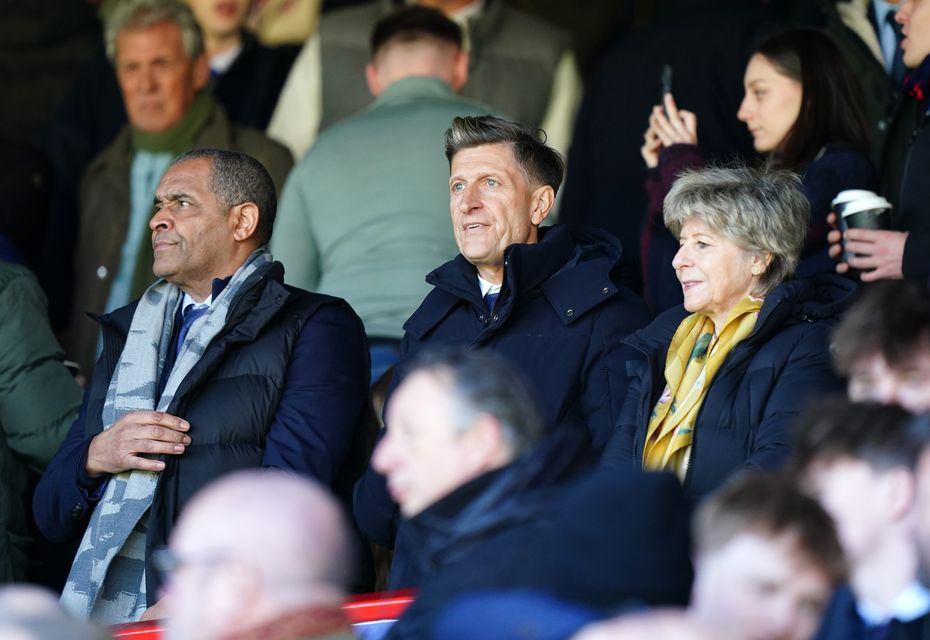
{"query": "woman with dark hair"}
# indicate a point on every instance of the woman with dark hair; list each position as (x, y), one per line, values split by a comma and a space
(803, 108)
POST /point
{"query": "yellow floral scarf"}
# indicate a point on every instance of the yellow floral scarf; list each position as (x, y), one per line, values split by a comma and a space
(694, 356)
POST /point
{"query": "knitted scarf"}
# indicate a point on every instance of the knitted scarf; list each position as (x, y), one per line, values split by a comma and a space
(694, 356)
(180, 137)
(107, 579)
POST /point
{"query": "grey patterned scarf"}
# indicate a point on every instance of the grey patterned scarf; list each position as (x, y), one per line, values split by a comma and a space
(107, 579)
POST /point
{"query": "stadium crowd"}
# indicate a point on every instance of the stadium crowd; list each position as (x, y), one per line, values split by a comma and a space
(617, 332)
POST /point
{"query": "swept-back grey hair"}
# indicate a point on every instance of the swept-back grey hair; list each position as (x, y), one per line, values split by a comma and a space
(760, 210)
(482, 382)
(541, 164)
(140, 14)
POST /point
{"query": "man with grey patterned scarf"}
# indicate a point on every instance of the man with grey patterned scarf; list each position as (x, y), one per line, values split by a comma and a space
(219, 366)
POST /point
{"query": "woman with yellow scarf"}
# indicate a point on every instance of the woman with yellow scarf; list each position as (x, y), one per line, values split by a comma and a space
(714, 386)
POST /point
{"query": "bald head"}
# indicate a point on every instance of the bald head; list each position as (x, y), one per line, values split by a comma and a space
(253, 545)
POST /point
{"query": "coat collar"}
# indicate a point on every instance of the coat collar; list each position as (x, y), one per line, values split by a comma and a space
(249, 312)
(496, 500)
(572, 270)
(818, 298)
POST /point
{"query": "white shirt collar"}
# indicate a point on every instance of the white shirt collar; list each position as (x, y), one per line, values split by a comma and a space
(221, 62)
(912, 603)
(187, 300)
(487, 287)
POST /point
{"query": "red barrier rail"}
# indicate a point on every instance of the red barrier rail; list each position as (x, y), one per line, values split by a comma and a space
(361, 609)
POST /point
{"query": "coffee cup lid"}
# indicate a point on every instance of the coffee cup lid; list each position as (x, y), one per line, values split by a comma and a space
(853, 194)
(866, 204)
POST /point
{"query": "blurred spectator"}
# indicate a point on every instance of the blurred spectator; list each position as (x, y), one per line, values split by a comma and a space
(31, 613)
(545, 298)
(518, 65)
(919, 429)
(882, 345)
(905, 250)
(156, 48)
(39, 398)
(247, 75)
(258, 554)
(363, 214)
(277, 22)
(483, 509)
(858, 461)
(459, 417)
(245, 79)
(874, 23)
(714, 385)
(766, 560)
(257, 373)
(870, 39)
(803, 108)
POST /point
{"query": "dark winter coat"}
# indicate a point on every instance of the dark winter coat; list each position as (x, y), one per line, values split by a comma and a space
(604, 541)
(283, 385)
(759, 390)
(905, 167)
(560, 309)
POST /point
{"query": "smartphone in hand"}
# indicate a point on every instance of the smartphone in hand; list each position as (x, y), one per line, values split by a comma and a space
(665, 81)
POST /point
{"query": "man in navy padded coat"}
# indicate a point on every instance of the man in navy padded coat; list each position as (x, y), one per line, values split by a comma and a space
(219, 366)
(546, 299)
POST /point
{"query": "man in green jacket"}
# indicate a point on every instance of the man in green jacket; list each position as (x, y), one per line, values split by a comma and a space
(39, 400)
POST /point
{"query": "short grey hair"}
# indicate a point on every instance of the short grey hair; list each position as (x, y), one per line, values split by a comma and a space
(141, 14)
(482, 382)
(759, 210)
(541, 164)
(237, 178)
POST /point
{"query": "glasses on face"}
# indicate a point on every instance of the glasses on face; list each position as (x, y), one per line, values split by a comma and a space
(168, 563)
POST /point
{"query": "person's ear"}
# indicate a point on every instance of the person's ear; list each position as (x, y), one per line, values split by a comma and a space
(374, 82)
(459, 71)
(542, 200)
(485, 448)
(760, 263)
(244, 218)
(201, 73)
(900, 492)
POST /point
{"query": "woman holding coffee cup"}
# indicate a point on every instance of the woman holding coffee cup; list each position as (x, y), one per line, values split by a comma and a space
(802, 107)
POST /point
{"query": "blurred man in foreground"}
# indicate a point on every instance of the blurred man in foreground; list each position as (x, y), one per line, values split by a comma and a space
(258, 554)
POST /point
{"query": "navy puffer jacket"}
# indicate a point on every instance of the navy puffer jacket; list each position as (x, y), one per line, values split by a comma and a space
(759, 390)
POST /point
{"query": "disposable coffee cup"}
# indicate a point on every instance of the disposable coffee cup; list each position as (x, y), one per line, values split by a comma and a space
(843, 198)
(864, 212)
